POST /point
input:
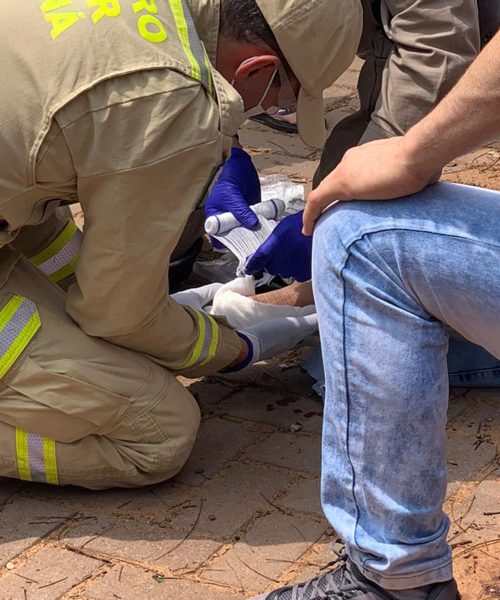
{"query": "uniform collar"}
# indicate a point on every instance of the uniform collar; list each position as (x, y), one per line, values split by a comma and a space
(206, 17)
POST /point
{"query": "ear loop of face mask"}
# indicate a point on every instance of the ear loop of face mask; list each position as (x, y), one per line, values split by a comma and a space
(287, 100)
(258, 108)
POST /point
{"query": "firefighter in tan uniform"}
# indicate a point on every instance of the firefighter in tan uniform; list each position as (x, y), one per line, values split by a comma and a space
(114, 104)
(414, 51)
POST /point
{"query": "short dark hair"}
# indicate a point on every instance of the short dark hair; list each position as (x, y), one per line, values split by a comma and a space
(243, 20)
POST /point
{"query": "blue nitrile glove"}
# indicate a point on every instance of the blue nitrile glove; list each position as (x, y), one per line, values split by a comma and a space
(238, 186)
(286, 252)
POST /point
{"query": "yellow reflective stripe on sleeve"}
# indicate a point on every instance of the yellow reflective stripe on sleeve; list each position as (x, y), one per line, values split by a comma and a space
(36, 457)
(213, 341)
(19, 321)
(205, 348)
(176, 6)
(9, 310)
(23, 465)
(58, 260)
(191, 44)
(52, 249)
(50, 459)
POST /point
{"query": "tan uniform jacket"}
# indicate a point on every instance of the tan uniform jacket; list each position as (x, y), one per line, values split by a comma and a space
(114, 104)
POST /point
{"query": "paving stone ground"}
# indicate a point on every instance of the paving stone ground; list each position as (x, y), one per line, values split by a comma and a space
(244, 515)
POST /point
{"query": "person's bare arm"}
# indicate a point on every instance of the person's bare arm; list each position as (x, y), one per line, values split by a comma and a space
(467, 117)
(296, 294)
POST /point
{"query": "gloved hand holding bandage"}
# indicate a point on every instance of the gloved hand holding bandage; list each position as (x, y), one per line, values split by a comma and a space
(286, 252)
(237, 187)
(224, 222)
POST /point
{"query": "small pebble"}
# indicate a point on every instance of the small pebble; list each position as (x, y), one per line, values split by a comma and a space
(10, 566)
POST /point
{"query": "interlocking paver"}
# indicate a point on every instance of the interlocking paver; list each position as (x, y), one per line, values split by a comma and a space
(208, 392)
(280, 410)
(304, 496)
(47, 575)
(129, 583)
(231, 499)
(139, 540)
(291, 450)
(218, 442)
(24, 521)
(268, 549)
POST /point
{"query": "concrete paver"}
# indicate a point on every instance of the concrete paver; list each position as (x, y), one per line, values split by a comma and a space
(128, 583)
(47, 575)
(265, 552)
(230, 500)
(218, 442)
(295, 451)
(244, 515)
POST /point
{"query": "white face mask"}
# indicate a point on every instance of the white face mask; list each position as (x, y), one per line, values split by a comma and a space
(258, 109)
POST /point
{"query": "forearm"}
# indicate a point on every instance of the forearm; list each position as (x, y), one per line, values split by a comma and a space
(297, 294)
(466, 118)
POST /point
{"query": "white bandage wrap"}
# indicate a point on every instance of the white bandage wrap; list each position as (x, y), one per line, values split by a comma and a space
(233, 302)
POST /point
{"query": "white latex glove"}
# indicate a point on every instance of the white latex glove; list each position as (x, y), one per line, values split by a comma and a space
(279, 335)
(199, 297)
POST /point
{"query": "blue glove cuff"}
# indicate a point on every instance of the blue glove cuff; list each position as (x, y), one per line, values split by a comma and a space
(243, 364)
(239, 153)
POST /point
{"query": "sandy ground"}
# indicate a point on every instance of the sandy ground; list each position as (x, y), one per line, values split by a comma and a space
(244, 515)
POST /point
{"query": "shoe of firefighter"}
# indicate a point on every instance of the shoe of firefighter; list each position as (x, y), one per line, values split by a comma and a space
(347, 583)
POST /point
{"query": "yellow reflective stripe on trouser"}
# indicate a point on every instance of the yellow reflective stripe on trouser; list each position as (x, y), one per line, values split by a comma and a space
(36, 457)
(206, 346)
(58, 260)
(195, 52)
(19, 321)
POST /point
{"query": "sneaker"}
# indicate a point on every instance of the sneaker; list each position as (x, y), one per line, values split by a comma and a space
(277, 122)
(346, 582)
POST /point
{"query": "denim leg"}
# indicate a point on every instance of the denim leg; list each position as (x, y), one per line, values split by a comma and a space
(471, 366)
(390, 279)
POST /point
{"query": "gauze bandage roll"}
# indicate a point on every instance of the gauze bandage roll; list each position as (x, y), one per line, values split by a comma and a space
(232, 301)
(270, 209)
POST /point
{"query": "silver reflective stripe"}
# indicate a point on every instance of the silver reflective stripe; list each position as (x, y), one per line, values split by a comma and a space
(207, 340)
(36, 457)
(64, 256)
(197, 48)
(19, 321)
(205, 348)
(13, 327)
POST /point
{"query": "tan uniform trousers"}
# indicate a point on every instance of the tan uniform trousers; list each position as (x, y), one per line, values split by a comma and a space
(408, 66)
(76, 409)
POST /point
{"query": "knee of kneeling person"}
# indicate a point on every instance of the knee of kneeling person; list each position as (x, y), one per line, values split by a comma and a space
(176, 423)
(164, 437)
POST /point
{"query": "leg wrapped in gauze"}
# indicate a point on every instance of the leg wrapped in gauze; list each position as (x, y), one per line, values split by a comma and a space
(233, 301)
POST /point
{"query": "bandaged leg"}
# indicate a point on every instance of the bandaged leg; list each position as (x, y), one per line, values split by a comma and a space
(237, 302)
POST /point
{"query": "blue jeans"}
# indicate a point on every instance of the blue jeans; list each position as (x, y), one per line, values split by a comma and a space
(390, 281)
